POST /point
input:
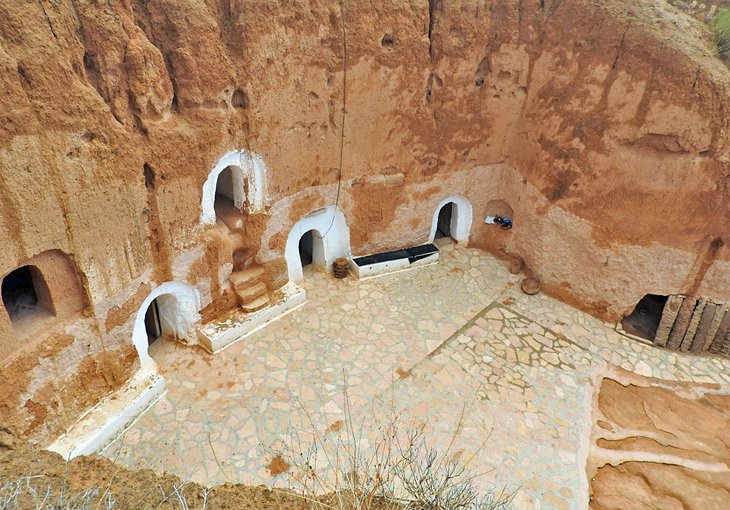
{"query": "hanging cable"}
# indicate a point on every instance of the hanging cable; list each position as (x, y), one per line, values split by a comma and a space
(342, 122)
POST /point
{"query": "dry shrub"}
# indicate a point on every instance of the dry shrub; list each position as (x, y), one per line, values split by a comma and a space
(31, 493)
(341, 469)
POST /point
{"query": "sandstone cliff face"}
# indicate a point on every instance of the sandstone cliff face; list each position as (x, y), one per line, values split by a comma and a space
(659, 446)
(605, 128)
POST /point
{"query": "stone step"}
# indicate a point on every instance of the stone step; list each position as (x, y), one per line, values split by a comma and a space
(250, 292)
(246, 276)
(256, 304)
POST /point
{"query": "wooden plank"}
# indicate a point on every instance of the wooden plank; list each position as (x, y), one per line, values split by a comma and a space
(721, 335)
(725, 349)
(703, 328)
(669, 315)
(715, 325)
(694, 323)
(682, 323)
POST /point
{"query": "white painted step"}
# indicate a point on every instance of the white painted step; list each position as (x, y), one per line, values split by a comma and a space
(237, 324)
(108, 419)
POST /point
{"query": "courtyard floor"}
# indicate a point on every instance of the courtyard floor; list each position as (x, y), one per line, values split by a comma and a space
(454, 346)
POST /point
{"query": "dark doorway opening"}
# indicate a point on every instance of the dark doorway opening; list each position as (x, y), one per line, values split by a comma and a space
(152, 323)
(644, 320)
(443, 224)
(306, 248)
(224, 196)
(26, 296)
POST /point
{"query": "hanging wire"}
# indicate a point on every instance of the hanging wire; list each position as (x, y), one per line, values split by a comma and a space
(344, 110)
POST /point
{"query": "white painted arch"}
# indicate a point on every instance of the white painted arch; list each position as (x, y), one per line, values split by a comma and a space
(178, 304)
(461, 218)
(245, 167)
(332, 240)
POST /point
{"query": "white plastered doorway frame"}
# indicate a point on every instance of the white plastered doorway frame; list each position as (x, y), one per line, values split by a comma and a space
(461, 219)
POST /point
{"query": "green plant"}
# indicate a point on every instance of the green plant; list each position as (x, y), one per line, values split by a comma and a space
(721, 26)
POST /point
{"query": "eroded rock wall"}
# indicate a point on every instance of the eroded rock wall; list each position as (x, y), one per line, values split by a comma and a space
(605, 128)
(659, 445)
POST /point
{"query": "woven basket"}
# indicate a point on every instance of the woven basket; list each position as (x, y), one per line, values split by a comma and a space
(341, 268)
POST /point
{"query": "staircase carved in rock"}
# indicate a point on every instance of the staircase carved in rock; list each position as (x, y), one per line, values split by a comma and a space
(247, 279)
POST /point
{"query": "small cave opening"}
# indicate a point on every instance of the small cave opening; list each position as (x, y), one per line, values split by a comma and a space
(496, 209)
(239, 99)
(644, 320)
(149, 176)
(26, 298)
(443, 224)
(88, 61)
(483, 69)
(306, 248)
(387, 40)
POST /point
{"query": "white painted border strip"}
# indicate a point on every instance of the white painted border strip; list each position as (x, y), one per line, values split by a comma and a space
(218, 336)
(391, 266)
(111, 417)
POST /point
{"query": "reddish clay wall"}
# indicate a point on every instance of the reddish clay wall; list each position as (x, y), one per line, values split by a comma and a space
(605, 128)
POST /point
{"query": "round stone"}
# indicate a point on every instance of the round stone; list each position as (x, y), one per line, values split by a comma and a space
(530, 286)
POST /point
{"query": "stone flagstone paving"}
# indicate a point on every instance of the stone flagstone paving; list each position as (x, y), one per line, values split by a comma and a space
(422, 344)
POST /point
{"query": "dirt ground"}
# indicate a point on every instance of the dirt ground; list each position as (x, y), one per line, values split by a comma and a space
(132, 490)
(129, 489)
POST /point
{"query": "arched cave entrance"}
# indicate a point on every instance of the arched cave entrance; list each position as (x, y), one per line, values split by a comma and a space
(311, 249)
(39, 293)
(306, 247)
(227, 192)
(238, 178)
(644, 320)
(452, 218)
(330, 239)
(27, 299)
(443, 224)
(152, 324)
(171, 310)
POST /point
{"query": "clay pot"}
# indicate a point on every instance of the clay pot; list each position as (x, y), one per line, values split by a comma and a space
(515, 265)
(530, 286)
